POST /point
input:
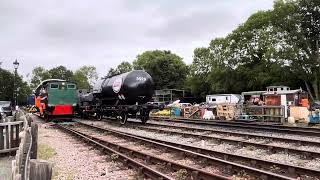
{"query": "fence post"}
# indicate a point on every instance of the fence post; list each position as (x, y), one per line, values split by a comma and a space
(34, 135)
(40, 170)
(1, 138)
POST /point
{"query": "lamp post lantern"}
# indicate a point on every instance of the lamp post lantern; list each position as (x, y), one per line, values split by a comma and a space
(15, 65)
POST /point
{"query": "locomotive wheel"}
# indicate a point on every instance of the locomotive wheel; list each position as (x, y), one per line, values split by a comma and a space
(122, 118)
(46, 116)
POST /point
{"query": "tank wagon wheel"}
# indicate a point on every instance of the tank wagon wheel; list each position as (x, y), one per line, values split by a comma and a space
(122, 117)
(144, 116)
(144, 119)
(99, 116)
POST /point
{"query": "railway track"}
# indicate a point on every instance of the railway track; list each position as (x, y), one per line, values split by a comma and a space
(143, 169)
(260, 127)
(270, 148)
(264, 165)
(281, 168)
(299, 142)
(227, 168)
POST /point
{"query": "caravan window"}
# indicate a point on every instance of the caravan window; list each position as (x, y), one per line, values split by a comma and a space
(226, 98)
(213, 99)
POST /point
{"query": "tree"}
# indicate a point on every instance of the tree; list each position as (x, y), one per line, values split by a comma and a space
(167, 69)
(112, 72)
(85, 77)
(6, 87)
(198, 82)
(38, 74)
(61, 72)
(253, 56)
(124, 67)
(121, 68)
(300, 23)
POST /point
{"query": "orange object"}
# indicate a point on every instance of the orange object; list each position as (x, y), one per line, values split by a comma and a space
(41, 106)
(38, 101)
(273, 100)
(305, 103)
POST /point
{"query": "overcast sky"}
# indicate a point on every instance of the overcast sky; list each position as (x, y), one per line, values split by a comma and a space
(74, 33)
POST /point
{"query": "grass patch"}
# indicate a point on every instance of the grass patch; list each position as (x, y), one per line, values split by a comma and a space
(55, 173)
(45, 152)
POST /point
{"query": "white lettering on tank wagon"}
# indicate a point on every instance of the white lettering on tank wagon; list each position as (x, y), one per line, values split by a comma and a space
(116, 86)
(141, 78)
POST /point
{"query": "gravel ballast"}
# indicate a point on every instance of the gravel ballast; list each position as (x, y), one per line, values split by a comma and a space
(73, 159)
(217, 146)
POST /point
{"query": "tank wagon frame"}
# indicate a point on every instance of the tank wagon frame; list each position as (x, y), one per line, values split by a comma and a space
(122, 96)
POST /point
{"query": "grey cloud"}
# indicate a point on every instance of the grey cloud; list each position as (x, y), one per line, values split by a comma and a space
(103, 33)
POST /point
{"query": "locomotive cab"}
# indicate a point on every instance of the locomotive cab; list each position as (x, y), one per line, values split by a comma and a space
(56, 98)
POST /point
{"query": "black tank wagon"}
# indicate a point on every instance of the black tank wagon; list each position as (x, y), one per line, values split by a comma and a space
(121, 96)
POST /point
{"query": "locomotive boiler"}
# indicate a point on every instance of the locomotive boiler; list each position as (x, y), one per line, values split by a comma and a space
(121, 96)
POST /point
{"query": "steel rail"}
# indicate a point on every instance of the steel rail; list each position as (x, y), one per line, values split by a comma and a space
(263, 124)
(273, 128)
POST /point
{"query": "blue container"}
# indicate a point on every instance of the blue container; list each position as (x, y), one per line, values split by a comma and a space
(314, 119)
(31, 100)
(177, 112)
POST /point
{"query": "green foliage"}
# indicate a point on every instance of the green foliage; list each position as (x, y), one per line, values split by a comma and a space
(167, 69)
(300, 23)
(114, 157)
(121, 68)
(6, 87)
(124, 67)
(85, 77)
(61, 72)
(38, 74)
(275, 47)
(45, 152)
(182, 174)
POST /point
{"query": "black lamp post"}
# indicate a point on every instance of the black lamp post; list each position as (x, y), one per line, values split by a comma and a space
(15, 65)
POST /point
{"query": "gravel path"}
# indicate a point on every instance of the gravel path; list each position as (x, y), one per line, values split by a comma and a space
(74, 160)
(223, 147)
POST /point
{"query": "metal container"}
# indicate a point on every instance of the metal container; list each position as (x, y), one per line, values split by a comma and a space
(134, 87)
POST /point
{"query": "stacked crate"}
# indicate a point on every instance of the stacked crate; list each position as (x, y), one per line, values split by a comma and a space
(228, 111)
